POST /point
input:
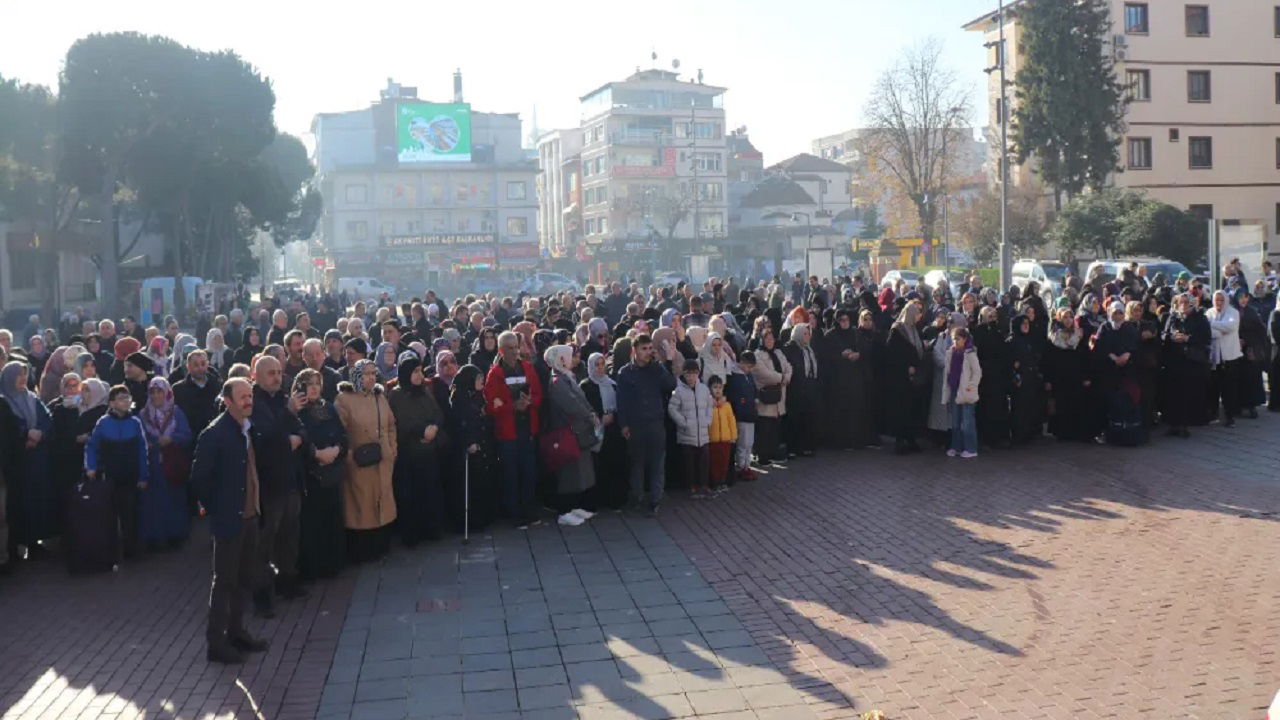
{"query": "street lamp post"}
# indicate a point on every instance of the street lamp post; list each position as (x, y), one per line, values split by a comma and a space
(808, 226)
(1006, 259)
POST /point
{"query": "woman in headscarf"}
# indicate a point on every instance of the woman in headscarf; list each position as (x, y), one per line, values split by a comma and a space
(474, 451)
(92, 408)
(610, 458)
(568, 408)
(850, 424)
(772, 374)
(939, 422)
(158, 351)
(1115, 347)
(37, 355)
(485, 349)
(993, 390)
(66, 455)
(906, 379)
(220, 356)
(621, 356)
(386, 358)
(1066, 379)
(1185, 367)
(715, 358)
(1257, 353)
(25, 426)
(419, 498)
(163, 516)
(85, 366)
(1146, 357)
(804, 391)
(1225, 357)
(57, 365)
(1026, 396)
(251, 348)
(322, 545)
(369, 505)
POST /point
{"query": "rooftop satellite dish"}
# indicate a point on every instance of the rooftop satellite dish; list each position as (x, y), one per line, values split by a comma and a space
(675, 64)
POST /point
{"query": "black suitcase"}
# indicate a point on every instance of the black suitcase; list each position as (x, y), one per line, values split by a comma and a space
(1125, 426)
(90, 535)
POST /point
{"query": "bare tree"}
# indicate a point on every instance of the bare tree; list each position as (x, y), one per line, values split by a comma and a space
(916, 127)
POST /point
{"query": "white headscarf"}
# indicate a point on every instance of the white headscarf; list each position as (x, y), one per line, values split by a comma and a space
(721, 365)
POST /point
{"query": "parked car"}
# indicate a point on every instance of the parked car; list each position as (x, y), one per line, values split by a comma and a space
(671, 278)
(543, 283)
(954, 278)
(364, 288)
(1101, 272)
(891, 278)
(1048, 274)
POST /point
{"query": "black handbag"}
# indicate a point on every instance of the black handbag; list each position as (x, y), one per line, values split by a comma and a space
(370, 453)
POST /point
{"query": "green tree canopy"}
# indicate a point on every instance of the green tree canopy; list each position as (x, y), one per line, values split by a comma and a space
(1069, 110)
(1118, 223)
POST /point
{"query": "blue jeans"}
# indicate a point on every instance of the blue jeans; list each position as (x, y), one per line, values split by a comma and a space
(519, 476)
(964, 428)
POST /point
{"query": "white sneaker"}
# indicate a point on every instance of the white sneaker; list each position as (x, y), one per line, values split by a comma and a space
(570, 519)
(951, 452)
(967, 454)
(583, 515)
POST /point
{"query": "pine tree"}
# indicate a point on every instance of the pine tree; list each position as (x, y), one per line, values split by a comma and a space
(1069, 111)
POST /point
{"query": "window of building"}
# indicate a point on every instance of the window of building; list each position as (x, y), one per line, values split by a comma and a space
(464, 223)
(589, 226)
(586, 168)
(1174, 135)
(1278, 88)
(399, 195)
(357, 230)
(1139, 85)
(1135, 18)
(1198, 88)
(1140, 153)
(516, 190)
(437, 193)
(463, 192)
(1201, 152)
(387, 228)
(707, 161)
(1198, 21)
(1203, 213)
(1277, 21)
(484, 193)
(603, 225)
(357, 194)
(439, 223)
(517, 226)
(413, 227)
(600, 165)
(24, 269)
(1278, 159)
(488, 221)
(711, 192)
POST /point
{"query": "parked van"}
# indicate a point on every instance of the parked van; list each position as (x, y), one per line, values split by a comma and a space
(1101, 272)
(364, 288)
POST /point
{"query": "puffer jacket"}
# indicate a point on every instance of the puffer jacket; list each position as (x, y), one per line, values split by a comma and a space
(970, 378)
(1226, 335)
(724, 427)
(690, 409)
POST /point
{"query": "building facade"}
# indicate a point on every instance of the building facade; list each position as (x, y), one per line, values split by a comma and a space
(559, 193)
(419, 193)
(1204, 113)
(654, 165)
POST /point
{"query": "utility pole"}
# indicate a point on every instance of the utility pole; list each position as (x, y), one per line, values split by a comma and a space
(693, 156)
(1006, 260)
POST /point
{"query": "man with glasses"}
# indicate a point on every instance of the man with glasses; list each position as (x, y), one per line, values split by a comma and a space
(513, 393)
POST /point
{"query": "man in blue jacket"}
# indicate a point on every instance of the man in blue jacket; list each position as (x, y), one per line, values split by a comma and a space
(225, 479)
(644, 386)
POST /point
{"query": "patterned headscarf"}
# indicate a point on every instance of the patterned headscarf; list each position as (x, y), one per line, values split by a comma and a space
(21, 400)
(159, 421)
(357, 373)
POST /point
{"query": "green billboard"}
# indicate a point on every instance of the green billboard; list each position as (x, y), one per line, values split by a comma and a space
(430, 132)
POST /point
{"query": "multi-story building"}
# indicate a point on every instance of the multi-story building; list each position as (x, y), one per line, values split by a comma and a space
(653, 164)
(425, 193)
(1204, 113)
(560, 192)
(745, 167)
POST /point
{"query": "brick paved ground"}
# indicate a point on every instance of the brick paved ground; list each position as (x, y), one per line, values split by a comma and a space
(1052, 582)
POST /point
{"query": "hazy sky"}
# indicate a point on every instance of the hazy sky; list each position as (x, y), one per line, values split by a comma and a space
(795, 70)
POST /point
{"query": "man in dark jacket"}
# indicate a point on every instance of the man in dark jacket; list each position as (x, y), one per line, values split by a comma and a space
(278, 437)
(225, 478)
(615, 305)
(314, 356)
(644, 386)
(197, 393)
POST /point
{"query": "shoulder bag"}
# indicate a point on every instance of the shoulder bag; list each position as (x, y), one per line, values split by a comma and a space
(771, 394)
(370, 453)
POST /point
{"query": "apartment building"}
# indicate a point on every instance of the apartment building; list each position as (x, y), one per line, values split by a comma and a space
(560, 192)
(653, 157)
(425, 192)
(1204, 119)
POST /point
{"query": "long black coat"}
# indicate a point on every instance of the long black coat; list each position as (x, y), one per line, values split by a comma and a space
(803, 393)
(904, 409)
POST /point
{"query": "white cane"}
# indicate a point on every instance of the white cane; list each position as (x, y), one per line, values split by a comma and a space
(466, 498)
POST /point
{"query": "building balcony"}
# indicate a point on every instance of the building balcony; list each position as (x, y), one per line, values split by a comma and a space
(641, 137)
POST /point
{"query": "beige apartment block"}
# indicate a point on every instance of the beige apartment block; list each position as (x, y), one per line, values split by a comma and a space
(1204, 118)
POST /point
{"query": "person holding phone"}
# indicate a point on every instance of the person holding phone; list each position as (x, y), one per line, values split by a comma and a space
(513, 394)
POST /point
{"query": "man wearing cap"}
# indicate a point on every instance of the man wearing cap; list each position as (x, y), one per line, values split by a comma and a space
(356, 349)
(137, 374)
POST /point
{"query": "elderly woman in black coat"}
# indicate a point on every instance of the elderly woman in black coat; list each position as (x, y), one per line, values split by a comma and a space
(1184, 366)
(416, 479)
(322, 539)
(907, 380)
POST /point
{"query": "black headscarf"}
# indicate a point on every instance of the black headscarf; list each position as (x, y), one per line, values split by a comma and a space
(409, 362)
(464, 384)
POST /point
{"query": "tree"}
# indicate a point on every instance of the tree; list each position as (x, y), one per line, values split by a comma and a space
(668, 210)
(871, 226)
(1069, 109)
(1162, 230)
(978, 224)
(1090, 224)
(915, 118)
(179, 127)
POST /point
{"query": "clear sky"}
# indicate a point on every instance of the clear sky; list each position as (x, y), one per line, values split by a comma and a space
(795, 70)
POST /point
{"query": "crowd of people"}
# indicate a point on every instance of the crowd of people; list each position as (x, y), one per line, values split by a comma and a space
(312, 432)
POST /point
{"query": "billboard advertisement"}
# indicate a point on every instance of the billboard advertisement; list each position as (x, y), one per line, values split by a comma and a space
(431, 132)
